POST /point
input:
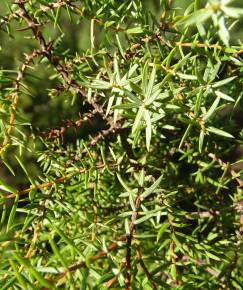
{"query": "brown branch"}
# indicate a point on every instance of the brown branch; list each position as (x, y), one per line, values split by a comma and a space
(145, 269)
(202, 45)
(106, 133)
(60, 131)
(94, 258)
(51, 6)
(15, 98)
(132, 230)
(128, 263)
(112, 281)
(51, 183)
(199, 45)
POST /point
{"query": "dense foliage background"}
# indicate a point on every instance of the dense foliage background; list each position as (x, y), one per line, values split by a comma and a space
(121, 144)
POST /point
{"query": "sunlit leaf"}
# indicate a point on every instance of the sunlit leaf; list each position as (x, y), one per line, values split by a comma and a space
(148, 128)
(137, 121)
(219, 132)
(212, 109)
(151, 189)
(198, 16)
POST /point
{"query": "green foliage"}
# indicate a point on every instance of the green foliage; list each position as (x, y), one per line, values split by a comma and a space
(140, 187)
